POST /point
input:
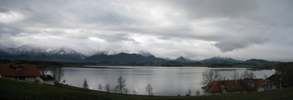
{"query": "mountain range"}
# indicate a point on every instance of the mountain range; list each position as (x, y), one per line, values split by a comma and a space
(144, 59)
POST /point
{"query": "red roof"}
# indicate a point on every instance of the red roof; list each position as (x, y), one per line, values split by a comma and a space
(19, 70)
(234, 85)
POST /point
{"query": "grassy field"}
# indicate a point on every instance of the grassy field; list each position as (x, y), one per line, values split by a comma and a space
(19, 90)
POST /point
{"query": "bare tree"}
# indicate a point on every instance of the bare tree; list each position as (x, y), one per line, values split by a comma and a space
(209, 76)
(247, 83)
(188, 92)
(100, 87)
(134, 92)
(121, 87)
(107, 87)
(149, 89)
(235, 75)
(125, 90)
(197, 92)
(248, 75)
(85, 84)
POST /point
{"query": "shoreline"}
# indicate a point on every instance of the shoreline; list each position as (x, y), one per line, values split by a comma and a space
(18, 90)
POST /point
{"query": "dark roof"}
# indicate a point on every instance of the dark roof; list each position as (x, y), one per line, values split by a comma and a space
(274, 77)
(17, 70)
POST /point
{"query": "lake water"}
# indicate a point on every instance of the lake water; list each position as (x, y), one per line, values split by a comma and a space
(165, 81)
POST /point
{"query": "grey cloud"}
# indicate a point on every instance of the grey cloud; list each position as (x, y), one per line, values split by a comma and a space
(8, 29)
(227, 46)
(216, 8)
(168, 28)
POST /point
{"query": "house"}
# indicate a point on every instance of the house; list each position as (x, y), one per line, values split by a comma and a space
(20, 72)
(245, 85)
(274, 81)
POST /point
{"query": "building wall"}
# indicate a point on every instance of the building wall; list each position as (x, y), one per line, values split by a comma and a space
(31, 79)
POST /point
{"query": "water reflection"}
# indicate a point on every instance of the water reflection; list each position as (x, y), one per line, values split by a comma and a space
(164, 80)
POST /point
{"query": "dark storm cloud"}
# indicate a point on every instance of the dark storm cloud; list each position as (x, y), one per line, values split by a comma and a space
(167, 28)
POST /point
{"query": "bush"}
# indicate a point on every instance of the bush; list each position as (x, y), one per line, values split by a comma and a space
(285, 71)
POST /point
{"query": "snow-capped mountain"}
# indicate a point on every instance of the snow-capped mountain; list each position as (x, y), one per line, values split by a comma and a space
(69, 55)
(31, 53)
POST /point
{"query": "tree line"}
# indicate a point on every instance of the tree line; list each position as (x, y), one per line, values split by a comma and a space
(120, 88)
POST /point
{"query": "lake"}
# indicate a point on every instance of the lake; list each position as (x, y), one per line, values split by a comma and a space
(166, 81)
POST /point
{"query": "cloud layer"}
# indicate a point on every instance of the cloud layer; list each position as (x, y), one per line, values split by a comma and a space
(195, 29)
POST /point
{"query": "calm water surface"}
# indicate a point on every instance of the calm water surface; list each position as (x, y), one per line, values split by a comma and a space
(164, 80)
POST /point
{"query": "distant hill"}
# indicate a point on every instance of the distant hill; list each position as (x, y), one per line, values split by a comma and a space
(71, 56)
(144, 59)
(221, 61)
(125, 59)
(259, 63)
(137, 59)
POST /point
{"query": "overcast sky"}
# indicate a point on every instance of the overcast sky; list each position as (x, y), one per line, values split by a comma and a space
(195, 29)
